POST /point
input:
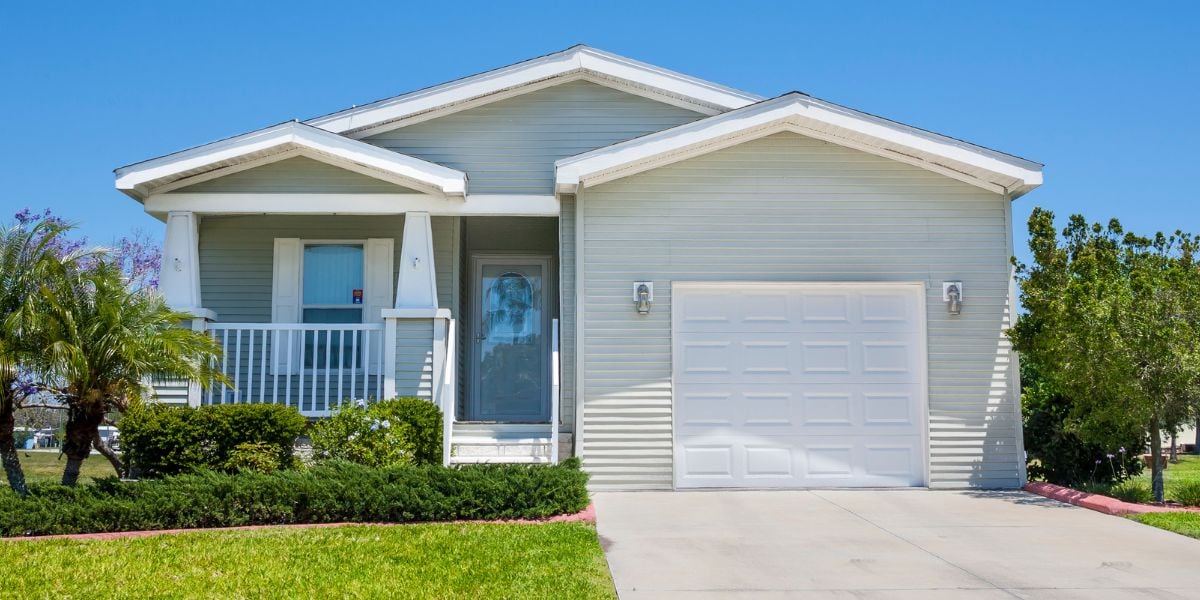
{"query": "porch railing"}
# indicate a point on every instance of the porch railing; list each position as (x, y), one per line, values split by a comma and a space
(312, 367)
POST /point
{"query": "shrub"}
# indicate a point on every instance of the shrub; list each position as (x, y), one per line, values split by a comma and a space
(259, 457)
(327, 493)
(1186, 493)
(1056, 453)
(390, 432)
(1133, 490)
(160, 440)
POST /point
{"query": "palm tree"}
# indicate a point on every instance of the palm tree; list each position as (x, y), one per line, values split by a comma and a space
(106, 341)
(29, 256)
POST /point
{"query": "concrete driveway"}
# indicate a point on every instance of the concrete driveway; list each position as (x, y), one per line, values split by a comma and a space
(885, 544)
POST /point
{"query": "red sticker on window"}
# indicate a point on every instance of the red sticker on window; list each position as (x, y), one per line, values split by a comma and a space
(356, 297)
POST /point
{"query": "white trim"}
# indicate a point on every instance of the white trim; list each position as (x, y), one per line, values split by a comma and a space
(142, 179)
(795, 112)
(352, 204)
(416, 313)
(1014, 359)
(919, 287)
(577, 438)
(575, 62)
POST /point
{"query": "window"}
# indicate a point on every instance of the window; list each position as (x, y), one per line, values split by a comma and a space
(332, 292)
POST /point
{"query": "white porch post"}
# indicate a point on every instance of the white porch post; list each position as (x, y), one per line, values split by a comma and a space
(416, 295)
(179, 277)
(416, 282)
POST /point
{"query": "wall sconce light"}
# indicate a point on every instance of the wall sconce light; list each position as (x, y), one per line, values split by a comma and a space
(643, 296)
(952, 295)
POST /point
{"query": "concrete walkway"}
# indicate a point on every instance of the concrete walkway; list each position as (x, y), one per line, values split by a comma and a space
(885, 544)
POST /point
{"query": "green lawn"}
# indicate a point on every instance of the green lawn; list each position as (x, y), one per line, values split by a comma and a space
(1187, 469)
(48, 466)
(1184, 523)
(551, 560)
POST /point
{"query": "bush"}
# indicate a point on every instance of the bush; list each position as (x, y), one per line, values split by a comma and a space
(1133, 490)
(259, 457)
(1056, 453)
(160, 440)
(327, 493)
(391, 432)
(1186, 493)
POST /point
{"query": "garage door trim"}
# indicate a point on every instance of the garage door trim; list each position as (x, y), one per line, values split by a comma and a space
(918, 288)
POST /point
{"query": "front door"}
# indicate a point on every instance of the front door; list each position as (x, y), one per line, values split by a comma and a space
(509, 328)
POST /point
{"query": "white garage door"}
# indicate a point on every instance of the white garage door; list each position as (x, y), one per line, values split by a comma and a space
(798, 385)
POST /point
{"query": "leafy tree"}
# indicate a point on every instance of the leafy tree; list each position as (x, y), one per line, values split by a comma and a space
(1113, 321)
(105, 341)
(29, 256)
(1056, 453)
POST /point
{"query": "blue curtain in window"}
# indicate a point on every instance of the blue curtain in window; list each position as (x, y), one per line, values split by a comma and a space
(332, 273)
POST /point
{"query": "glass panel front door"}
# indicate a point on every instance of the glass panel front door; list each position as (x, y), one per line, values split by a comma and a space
(510, 358)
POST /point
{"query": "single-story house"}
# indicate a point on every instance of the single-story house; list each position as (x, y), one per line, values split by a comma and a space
(683, 284)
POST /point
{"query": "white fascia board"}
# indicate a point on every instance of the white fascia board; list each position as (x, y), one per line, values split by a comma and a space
(137, 179)
(793, 112)
(220, 203)
(575, 60)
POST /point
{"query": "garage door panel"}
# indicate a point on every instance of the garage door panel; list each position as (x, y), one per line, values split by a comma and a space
(798, 385)
(791, 309)
(715, 357)
(799, 461)
(774, 410)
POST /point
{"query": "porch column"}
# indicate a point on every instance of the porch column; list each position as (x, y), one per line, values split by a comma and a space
(416, 298)
(179, 277)
(416, 281)
(179, 274)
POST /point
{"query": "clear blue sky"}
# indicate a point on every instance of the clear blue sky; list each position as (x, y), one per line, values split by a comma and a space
(1105, 94)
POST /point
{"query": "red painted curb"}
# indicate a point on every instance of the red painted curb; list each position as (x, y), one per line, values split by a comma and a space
(587, 515)
(1096, 502)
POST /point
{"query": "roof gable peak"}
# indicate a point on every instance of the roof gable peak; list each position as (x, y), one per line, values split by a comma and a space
(577, 62)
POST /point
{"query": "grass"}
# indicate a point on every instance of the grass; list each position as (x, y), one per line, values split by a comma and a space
(48, 466)
(1187, 469)
(1183, 523)
(550, 560)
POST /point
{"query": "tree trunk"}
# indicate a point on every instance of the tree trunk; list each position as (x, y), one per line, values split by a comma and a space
(83, 424)
(1174, 451)
(102, 448)
(8, 441)
(1156, 471)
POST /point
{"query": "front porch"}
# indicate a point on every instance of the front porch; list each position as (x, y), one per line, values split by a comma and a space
(468, 318)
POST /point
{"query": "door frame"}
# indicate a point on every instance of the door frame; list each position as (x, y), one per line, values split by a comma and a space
(920, 290)
(472, 331)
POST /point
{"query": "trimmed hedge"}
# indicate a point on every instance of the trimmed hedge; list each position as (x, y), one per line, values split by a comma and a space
(328, 493)
(159, 440)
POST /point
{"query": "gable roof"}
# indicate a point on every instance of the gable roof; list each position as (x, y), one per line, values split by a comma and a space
(576, 62)
(278, 142)
(799, 113)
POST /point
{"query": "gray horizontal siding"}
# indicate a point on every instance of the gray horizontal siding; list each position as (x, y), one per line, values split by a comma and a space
(237, 254)
(509, 146)
(791, 208)
(297, 176)
(414, 357)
